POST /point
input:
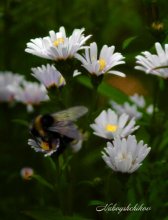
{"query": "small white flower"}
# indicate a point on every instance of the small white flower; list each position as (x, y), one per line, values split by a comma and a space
(41, 146)
(134, 109)
(49, 76)
(140, 102)
(150, 63)
(127, 108)
(58, 46)
(26, 173)
(76, 73)
(29, 93)
(8, 79)
(125, 155)
(102, 64)
(109, 125)
(149, 109)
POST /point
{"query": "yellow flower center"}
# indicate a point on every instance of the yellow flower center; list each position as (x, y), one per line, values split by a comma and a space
(102, 64)
(58, 41)
(111, 127)
(45, 145)
(61, 80)
(157, 26)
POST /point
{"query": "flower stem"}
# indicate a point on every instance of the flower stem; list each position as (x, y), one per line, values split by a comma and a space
(96, 81)
(155, 100)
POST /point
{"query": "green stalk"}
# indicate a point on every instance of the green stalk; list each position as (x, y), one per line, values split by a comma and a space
(155, 99)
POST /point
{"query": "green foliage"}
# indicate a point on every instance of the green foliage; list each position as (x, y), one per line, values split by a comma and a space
(50, 214)
(69, 187)
(43, 182)
(105, 89)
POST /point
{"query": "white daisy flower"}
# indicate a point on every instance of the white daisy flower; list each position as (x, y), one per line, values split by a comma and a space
(49, 76)
(41, 146)
(26, 173)
(125, 155)
(150, 63)
(109, 125)
(57, 46)
(29, 93)
(8, 79)
(102, 64)
(134, 109)
(127, 108)
(140, 102)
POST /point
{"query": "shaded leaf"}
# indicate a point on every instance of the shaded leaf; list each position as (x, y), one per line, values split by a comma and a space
(44, 214)
(105, 89)
(21, 122)
(51, 214)
(43, 181)
(51, 162)
(134, 216)
(95, 202)
(128, 41)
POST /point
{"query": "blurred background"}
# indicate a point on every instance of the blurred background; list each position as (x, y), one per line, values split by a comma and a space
(110, 22)
(132, 26)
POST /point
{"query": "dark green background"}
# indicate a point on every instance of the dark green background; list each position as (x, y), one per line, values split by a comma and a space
(110, 22)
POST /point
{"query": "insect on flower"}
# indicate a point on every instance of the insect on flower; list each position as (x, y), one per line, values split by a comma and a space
(52, 132)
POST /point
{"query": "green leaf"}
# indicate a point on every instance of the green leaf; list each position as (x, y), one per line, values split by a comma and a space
(66, 163)
(166, 204)
(42, 181)
(96, 202)
(21, 122)
(112, 93)
(161, 84)
(105, 89)
(128, 41)
(131, 195)
(51, 163)
(51, 214)
(44, 214)
(134, 216)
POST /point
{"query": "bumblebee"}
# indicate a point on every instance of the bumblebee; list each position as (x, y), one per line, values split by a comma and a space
(58, 127)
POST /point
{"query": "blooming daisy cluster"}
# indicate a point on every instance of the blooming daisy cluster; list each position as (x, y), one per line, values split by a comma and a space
(49, 148)
(29, 93)
(58, 46)
(8, 79)
(109, 125)
(49, 76)
(155, 64)
(42, 146)
(135, 108)
(123, 153)
(99, 65)
(14, 87)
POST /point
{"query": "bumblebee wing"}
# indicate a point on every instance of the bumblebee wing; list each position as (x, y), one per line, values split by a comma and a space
(66, 128)
(70, 114)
